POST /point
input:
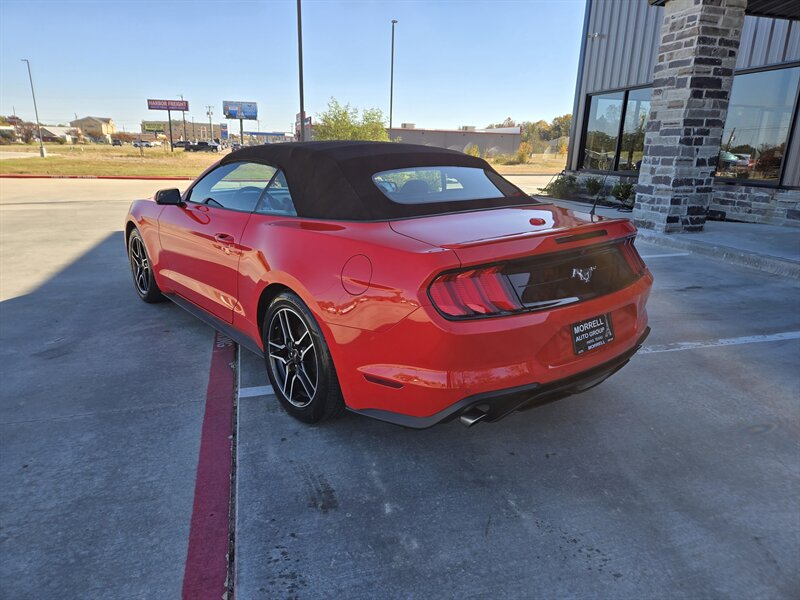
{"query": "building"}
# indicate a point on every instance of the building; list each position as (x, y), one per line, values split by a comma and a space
(95, 127)
(697, 102)
(51, 133)
(490, 142)
(194, 130)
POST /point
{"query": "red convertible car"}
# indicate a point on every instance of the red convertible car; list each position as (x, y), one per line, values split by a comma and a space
(407, 283)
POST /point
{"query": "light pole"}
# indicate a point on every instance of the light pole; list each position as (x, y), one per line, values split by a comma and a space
(183, 114)
(210, 113)
(300, 64)
(194, 135)
(42, 152)
(391, 81)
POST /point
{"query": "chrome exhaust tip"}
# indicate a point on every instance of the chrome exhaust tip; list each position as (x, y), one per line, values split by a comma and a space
(472, 416)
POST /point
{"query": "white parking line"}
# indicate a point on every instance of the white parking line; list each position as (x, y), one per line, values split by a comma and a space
(750, 339)
(666, 255)
(252, 392)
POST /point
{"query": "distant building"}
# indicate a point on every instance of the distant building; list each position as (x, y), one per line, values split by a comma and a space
(51, 133)
(194, 131)
(490, 142)
(95, 127)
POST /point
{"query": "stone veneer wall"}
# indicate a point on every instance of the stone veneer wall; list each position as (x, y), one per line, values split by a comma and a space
(755, 204)
(692, 81)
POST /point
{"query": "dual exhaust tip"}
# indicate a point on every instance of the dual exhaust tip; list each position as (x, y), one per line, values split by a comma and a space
(472, 415)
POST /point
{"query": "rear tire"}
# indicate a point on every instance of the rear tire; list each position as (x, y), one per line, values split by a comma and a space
(298, 361)
(144, 281)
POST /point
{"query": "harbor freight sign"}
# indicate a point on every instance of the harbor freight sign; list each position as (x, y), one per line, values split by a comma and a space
(168, 104)
(239, 110)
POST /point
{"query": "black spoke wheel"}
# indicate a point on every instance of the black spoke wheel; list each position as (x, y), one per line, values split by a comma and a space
(141, 269)
(299, 364)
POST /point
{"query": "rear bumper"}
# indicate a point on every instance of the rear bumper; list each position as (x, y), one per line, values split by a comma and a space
(501, 403)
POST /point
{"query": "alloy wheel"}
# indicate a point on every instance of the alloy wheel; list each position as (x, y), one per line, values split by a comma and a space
(140, 265)
(293, 357)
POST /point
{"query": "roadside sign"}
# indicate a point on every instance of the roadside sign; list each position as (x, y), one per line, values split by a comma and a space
(168, 104)
(240, 110)
(223, 129)
(153, 126)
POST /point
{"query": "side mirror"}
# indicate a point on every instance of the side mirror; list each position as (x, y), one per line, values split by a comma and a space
(171, 197)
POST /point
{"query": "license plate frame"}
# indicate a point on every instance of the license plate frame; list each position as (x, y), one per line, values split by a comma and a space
(592, 333)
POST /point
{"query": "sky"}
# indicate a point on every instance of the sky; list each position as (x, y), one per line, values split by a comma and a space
(456, 62)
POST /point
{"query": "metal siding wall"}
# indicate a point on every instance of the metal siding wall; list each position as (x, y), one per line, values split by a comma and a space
(767, 42)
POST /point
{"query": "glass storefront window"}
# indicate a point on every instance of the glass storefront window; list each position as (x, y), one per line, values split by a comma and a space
(602, 131)
(637, 109)
(757, 126)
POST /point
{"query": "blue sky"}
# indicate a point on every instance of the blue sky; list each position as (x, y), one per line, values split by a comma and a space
(456, 62)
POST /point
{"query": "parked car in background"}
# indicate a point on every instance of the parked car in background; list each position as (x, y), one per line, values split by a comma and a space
(142, 144)
(116, 142)
(202, 147)
(406, 283)
(181, 144)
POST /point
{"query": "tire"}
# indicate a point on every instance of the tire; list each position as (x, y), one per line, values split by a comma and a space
(302, 374)
(143, 280)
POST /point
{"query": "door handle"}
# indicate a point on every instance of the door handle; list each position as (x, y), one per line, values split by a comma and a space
(224, 238)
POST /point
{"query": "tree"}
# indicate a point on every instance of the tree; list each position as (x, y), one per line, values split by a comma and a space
(560, 126)
(342, 122)
(472, 150)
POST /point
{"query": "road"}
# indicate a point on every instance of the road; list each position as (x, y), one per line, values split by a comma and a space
(676, 478)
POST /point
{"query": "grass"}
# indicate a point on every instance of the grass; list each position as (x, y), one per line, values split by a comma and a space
(98, 160)
(107, 160)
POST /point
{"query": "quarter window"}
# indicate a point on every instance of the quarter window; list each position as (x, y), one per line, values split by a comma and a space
(236, 186)
(277, 200)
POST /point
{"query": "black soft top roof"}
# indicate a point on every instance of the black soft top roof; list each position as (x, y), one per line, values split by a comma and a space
(333, 180)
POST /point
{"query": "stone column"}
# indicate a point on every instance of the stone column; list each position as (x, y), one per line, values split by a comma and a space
(693, 75)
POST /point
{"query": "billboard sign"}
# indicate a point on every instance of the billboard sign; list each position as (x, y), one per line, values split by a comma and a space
(239, 110)
(168, 104)
(223, 128)
(153, 126)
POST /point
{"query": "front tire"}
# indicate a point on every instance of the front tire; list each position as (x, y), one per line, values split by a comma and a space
(144, 281)
(299, 363)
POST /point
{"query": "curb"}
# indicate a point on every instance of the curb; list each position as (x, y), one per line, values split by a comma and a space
(763, 262)
(144, 177)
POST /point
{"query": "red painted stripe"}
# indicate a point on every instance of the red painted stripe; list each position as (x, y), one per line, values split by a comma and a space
(206, 560)
(21, 176)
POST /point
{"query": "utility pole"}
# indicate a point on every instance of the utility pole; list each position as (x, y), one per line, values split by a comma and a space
(391, 81)
(42, 152)
(194, 135)
(210, 113)
(300, 63)
(183, 114)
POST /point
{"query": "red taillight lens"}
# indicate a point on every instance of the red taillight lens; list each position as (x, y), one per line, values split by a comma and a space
(473, 293)
(632, 256)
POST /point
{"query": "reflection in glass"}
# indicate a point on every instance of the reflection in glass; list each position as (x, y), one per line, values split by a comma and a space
(637, 110)
(602, 131)
(758, 122)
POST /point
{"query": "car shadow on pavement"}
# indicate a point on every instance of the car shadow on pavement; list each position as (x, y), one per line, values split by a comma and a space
(102, 404)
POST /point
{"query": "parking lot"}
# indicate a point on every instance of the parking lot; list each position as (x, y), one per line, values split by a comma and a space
(676, 478)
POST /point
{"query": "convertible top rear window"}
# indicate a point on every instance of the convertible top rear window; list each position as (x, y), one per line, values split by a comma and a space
(423, 185)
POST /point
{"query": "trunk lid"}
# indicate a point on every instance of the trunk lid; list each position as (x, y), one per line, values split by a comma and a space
(508, 233)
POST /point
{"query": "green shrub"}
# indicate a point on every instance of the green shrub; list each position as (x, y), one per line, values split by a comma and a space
(473, 150)
(624, 191)
(563, 186)
(593, 185)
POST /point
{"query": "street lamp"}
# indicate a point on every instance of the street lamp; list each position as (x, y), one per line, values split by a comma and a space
(210, 113)
(391, 80)
(183, 114)
(300, 64)
(42, 152)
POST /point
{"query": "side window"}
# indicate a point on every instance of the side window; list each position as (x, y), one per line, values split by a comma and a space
(277, 200)
(236, 186)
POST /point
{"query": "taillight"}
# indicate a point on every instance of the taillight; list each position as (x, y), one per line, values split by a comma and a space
(632, 257)
(473, 293)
